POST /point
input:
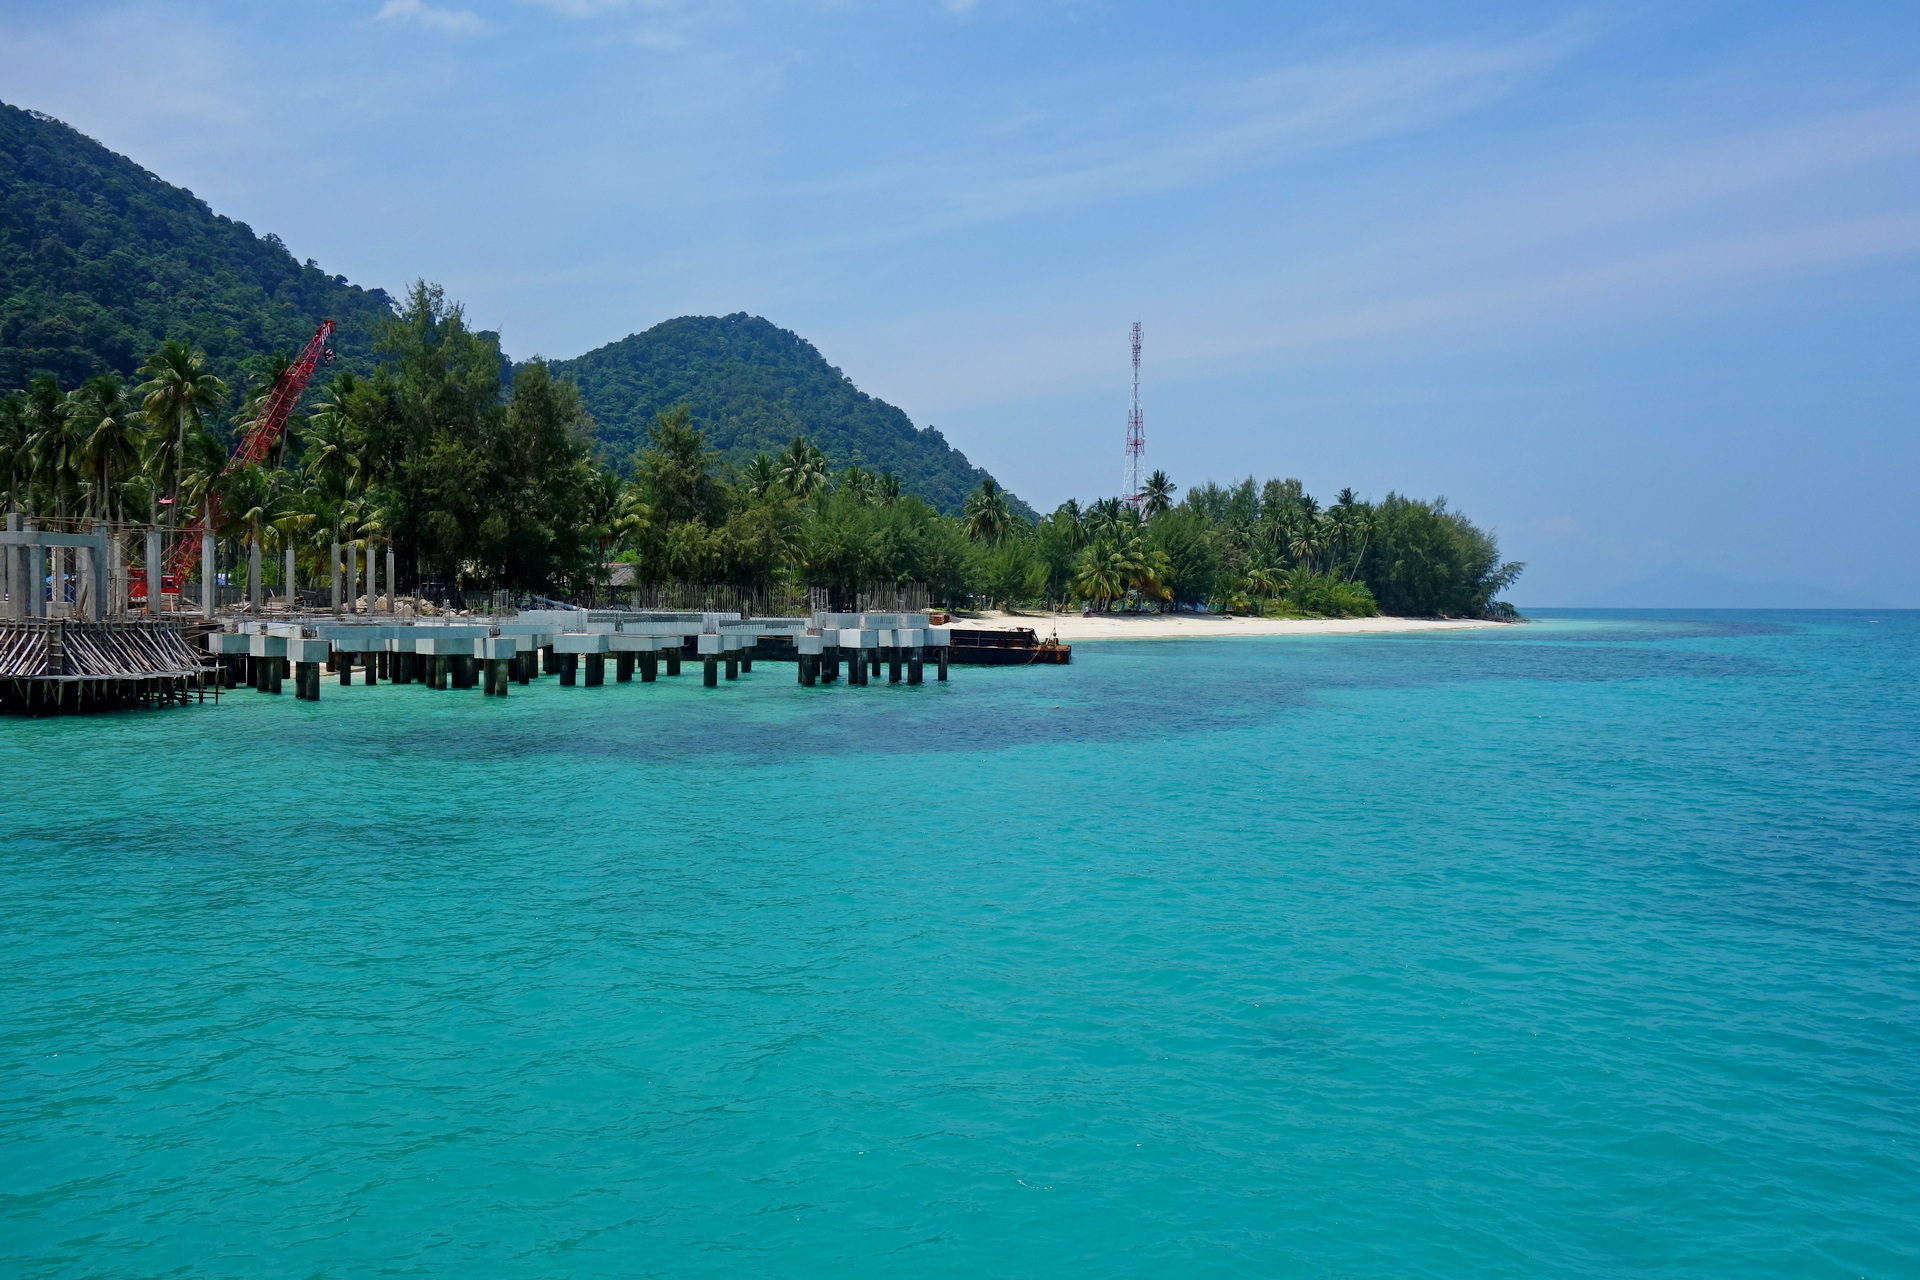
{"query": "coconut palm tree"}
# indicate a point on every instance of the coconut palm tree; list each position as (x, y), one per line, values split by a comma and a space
(1157, 494)
(175, 398)
(109, 440)
(859, 482)
(759, 476)
(13, 447)
(887, 488)
(987, 514)
(53, 445)
(803, 468)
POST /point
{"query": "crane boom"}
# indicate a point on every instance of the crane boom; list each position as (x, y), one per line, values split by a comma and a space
(255, 443)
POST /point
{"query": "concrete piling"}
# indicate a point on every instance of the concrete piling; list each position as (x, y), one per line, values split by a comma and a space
(596, 670)
(623, 668)
(733, 666)
(710, 671)
(649, 668)
(569, 669)
(673, 661)
(916, 665)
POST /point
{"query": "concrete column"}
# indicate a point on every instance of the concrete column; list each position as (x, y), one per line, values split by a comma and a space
(596, 670)
(830, 664)
(746, 661)
(916, 665)
(156, 569)
(893, 664)
(253, 575)
(334, 566)
(623, 668)
(710, 671)
(209, 577)
(500, 679)
(373, 579)
(940, 659)
(10, 604)
(673, 661)
(288, 584)
(353, 577)
(97, 574)
(392, 594)
(569, 669)
(809, 669)
(649, 668)
(346, 668)
(733, 666)
(370, 663)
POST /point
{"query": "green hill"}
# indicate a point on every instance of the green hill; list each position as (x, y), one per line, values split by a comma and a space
(101, 261)
(753, 387)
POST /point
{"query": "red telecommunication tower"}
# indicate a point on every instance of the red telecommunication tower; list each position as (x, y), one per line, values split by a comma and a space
(1136, 431)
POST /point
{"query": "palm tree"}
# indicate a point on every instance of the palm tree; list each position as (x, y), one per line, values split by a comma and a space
(987, 513)
(13, 447)
(178, 393)
(1157, 494)
(859, 482)
(803, 468)
(887, 488)
(53, 444)
(759, 476)
(109, 440)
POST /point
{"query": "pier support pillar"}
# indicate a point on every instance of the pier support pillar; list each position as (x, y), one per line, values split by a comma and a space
(623, 668)
(209, 577)
(343, 663)
(746, 661)
(893, 664)
(156, 565)
(400, 667)
(306, 681)
(497, 678)
(916, 665)
(733, 667)
(370, 665)
(466, 671)
(809, 669)
(673, 662)
(940, 662)
(569, 668)
(649, 668)
(830, 665)
(596, 670)
(710, 672)
(523, 668)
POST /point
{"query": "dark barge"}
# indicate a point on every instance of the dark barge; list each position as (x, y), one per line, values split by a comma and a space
(1006, 647)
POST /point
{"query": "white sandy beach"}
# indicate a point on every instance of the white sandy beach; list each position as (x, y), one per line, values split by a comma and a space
(1172, 626)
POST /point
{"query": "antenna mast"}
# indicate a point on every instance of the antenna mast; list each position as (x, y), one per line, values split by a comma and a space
(1136, 432)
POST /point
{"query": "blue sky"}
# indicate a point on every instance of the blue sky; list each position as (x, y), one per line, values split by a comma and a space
(1631, 284)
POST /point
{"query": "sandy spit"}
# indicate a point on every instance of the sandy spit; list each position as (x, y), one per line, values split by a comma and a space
(1072, 626)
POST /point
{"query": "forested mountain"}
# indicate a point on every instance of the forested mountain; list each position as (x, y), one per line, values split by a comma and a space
(101, 262)
(753, 387)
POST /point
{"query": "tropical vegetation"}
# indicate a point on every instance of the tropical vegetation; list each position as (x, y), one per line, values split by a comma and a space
(475, 486)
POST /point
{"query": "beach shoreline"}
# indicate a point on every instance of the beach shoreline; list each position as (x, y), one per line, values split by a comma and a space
(1072, 627)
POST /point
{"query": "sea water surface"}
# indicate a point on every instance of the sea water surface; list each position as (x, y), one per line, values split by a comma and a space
(1583, 948)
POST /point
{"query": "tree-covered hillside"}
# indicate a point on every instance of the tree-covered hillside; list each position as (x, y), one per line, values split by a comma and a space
(101, 262)
(752, 387)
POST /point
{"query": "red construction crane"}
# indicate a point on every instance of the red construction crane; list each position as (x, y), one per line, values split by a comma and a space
(255, 444)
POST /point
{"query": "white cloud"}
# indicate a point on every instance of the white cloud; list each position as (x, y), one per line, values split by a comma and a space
(446, 22)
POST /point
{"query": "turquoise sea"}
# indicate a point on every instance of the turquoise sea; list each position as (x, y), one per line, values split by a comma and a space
(1584, 948)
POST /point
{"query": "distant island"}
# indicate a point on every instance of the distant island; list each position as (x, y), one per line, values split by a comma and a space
(139, 332)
